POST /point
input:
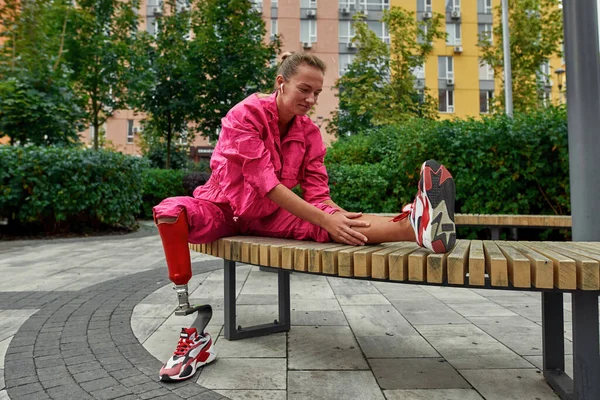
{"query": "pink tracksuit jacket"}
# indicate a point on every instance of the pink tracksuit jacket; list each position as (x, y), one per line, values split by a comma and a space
(250, 159)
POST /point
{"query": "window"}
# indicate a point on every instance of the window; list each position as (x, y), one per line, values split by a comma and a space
(452, 5)
(308, 3)
(256, 5)
(129, 131)
(380, 30)
(345, 61)
(346, 31)
(419, 71)
(544, 74)
(453, 34)
(422, 32)
(92, 132)
(485, 32)
(374, 5)
(446, 67)
(486, 72)
(347, 4)
(426, 5)
(485, 100)
(446, 101)
(487, 6)
(182, 140)
(546, 98)
(274, 4)
(308, 31)
(273, 28)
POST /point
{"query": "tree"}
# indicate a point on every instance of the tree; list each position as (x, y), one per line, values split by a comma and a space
(101, 48)
(169, 99)
(37, 103)
(378, 88)
(231, 58)
(535, 35)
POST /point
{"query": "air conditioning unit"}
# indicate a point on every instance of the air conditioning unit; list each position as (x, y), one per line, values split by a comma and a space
(455, 14)
(458, 49)
(450, 82)
(345, 11)
(427, 15)
(420, 83)
(547, 83)
(365, 12)
(156, 11)
(307, 45)
(351, 45)
(136, 129)
(311, 13)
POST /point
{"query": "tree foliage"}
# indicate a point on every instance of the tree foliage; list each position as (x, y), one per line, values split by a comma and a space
(37, 103)
(378, 88)
(101, 44)
(170, 83)
(230, 58)
(536, 31)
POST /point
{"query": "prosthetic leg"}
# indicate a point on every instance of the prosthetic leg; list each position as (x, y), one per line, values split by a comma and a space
(175, 243)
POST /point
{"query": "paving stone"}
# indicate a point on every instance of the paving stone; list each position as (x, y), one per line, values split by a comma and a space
(395, 346)
(326, 385)
(307, 304)
(351, 287)
(427, 311)
(468, 347)
(538, 362)
(98, 384)
(416, 373)
(110, 393)
(325, 347)
(245, 373)
(451, 294)
(362, 299)
(3, 347)
(318, 318)
(377, 321)
(270, 346)
(510, 384)
(253, 394)
(2, 386)
(432, 394)
(484, 308)
(17, 392)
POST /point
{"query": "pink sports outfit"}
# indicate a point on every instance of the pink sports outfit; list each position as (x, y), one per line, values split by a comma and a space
(250, 159)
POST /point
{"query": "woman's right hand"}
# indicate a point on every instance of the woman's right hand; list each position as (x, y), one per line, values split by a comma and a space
(339, 225)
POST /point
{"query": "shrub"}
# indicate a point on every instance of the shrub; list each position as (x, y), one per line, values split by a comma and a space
(53, 189)
(500, 165)
(159, 184)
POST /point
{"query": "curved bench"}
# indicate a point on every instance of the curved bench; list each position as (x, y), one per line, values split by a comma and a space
(554, 268)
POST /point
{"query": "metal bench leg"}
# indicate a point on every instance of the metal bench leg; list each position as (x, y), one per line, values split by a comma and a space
(586, 348)
(234, 332)
(553, 344)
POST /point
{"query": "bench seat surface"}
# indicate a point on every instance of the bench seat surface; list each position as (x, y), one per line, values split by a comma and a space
(542, 265)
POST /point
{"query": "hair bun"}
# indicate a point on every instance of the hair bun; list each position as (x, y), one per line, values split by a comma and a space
(285, 55)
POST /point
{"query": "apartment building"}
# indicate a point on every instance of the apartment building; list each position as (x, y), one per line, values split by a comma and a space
(453, 71)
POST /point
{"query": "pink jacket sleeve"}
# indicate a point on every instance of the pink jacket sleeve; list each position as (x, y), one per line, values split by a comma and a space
(245, 147)
(315, 184)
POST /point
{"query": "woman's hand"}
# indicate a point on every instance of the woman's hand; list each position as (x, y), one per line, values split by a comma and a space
(340, 227)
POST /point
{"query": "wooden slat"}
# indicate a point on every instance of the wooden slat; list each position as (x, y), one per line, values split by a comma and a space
(315, 256)
(398, 262)
(519, 270)
(380, 267)
(495, 264)
(221, 247)
(565, 269)
(287, 257)
(417, 265)
(457, 262)
(346, 261)
(588, 269)
(476, 263)
(436, 268)
(542, 268)
(362, 260)
(330, 259)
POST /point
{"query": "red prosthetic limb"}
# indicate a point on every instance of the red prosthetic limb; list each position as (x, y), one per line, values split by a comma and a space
(174, 238)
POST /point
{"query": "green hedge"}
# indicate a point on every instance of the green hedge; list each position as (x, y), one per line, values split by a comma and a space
(158, 185)
(500, 165)
(54, 189)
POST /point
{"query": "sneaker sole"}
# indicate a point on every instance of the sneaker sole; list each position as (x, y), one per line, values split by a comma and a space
(437, 185)
(166, 378)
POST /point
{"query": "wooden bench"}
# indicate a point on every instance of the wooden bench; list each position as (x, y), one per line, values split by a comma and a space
(554, 268)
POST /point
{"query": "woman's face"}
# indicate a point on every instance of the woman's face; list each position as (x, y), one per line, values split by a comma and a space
(301, 92)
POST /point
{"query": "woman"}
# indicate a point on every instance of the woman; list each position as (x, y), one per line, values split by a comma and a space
(267, 146)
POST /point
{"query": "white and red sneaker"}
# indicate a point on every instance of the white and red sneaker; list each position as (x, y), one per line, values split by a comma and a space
(431, 214)
(193, 351)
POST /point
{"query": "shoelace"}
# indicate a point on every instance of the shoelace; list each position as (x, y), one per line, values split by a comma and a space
(183, 346)
(404, 214)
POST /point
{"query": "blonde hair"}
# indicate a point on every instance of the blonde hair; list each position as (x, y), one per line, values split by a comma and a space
(291, 61)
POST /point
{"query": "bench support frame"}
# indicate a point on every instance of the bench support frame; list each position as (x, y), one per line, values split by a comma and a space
(235, 332)
(585, 384)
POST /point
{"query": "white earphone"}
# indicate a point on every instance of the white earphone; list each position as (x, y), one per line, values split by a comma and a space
(281, 87)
